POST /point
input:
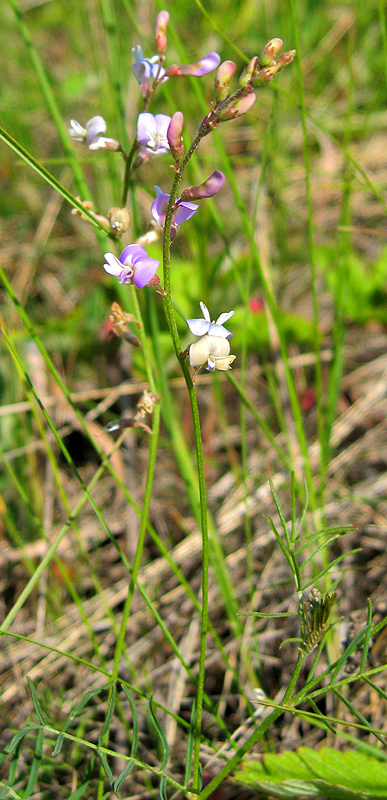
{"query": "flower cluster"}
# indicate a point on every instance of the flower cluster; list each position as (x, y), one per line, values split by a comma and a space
(161, 135)
(212, 349)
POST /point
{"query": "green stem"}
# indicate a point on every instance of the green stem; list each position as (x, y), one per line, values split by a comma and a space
(258, 734)
(170, 315)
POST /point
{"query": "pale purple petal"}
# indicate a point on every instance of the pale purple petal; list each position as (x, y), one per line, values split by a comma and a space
(219, 330)
(146, 128)
(162, 124)
(198, 68)
(94, 126)
(184, 211)
(114, 266)
(199, 327)
(207, 189)
(205, 311)
(144, 271)
(152, 132)
(225, 317)
(132, 253)
(159, 207)
(142, 71)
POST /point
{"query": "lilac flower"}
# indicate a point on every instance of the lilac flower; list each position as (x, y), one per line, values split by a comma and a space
(202, 67)
(133, 266)
(183, 210)
(146, 69)
(152, 133)
(201, 327)
(94, 127)
(212, 351)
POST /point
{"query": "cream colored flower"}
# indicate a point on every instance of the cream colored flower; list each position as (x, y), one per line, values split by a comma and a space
(213, 352)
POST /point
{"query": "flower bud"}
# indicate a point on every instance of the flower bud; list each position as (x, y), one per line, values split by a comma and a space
(270, 51)
(238, 108)
(207, 189)
(119, 220)
(174, 137)
(197, 69)
(222, 80)
(161, 31)
(248, 73)
(267, 74)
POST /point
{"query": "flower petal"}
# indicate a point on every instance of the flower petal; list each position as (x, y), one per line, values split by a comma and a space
(146, 128)
(185, 211)
(142, 72)
(104, 143)
(199, 327)
(144, 271)
(159, 207)
(205, 311)
(114, 266)
(225, 317)
(219, 330)
(94, 126)
(76, 131)
(132, 253)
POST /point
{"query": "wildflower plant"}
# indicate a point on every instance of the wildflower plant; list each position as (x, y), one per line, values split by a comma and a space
(139, 266)
(163, 135)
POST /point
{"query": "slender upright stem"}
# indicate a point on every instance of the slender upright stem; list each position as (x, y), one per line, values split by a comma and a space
(169, 312)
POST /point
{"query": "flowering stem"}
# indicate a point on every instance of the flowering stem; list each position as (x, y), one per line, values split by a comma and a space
(169, 312)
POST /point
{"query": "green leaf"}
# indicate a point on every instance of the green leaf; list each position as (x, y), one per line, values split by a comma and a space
(165, 748)
(327, 773)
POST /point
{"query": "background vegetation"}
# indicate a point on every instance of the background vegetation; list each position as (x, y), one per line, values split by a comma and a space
(295, 242)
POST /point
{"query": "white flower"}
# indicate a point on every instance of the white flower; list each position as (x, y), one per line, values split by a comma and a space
(211, 351)
(94, 127)
(200, 327)
(152, 132)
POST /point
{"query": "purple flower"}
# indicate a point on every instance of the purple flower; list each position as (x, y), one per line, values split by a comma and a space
(183, 210)
(133, 266)
(201, 327)
(152, 133)
(93, 128)
(146, 69)
(199, 68)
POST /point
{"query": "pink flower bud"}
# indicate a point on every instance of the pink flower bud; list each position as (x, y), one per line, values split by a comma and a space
(248, 73)
(222, 80)
(196, 70)
(270, 51)
(238, 108)
(161, 31)
(207, 189)
(174, 132)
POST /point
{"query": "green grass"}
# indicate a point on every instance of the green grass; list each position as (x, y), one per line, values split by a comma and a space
(142, 655)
